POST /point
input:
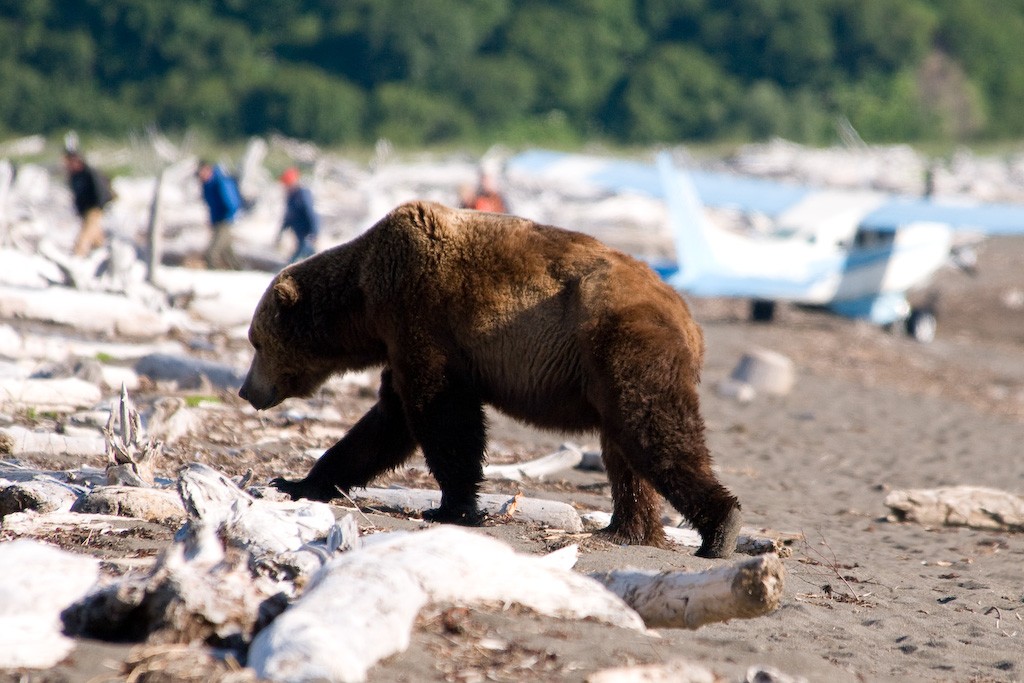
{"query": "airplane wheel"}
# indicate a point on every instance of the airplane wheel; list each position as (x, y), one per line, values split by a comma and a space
(762, 311)
(921, 325)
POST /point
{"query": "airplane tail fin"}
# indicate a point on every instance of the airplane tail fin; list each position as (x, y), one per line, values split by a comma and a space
(688, 221)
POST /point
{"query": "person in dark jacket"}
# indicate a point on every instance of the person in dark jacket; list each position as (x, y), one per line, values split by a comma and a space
(91, 191)
(222, 198)
(299, 216)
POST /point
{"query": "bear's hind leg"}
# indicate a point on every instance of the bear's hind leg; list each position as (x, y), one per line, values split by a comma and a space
(380, 441)
(670, 452)
(636, 516)
(662, 438)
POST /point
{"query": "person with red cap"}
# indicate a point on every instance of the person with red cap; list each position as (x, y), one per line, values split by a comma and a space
(299, 216)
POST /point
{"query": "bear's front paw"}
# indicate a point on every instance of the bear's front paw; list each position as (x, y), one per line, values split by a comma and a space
(463, 515)
(301, 489)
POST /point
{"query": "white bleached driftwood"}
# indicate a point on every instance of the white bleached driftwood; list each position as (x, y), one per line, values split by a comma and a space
(50, 394)
(534, 510)
(750, 541)
(567, 457)
(130, 460)
(154, 505)
(32, 523)
(16, 440)
(210, 585)
(683, 671)
(208, 596)
(39, 581)
(742, 590)
(42, 494)
(278, 536)
(361, 607)
(972, 506)
(91, 311)
(19, 344)
(674, 671)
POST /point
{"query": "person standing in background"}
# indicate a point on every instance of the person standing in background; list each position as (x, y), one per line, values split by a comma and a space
(485, 197)
(222, 198)
(91, 191)
(299, 216)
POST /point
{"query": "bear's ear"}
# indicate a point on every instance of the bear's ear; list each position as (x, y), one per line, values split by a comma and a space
(287, 291)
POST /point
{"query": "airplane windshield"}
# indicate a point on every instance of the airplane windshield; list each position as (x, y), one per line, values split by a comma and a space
(872, 239)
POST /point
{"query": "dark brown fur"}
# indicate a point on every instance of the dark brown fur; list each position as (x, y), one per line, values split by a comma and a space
(464, 309)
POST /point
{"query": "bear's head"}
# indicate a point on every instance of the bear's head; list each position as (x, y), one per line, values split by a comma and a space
(286, 361)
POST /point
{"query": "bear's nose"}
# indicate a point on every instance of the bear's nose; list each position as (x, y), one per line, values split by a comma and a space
(243, 392)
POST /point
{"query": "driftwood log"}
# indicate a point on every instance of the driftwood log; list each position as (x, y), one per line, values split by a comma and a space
(683, 671)
(743, 590)
(39, 581)
(972, 506)
(565, 458)
(229, 571)
(15, 440)
(152, 504)
(551, 513)
(362, 606)
(66, 394)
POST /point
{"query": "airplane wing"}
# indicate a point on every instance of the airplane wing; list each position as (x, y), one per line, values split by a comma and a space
(710, 261)
(770, 198)
(856, 252)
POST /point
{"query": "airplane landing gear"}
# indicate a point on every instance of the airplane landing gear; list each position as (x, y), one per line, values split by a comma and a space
(921, 325)
(762, 311)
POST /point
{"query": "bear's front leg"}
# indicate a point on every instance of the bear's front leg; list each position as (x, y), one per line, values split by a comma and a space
(380, 441)
(452, 432)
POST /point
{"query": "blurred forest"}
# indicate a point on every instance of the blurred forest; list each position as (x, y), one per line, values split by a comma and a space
(517, 71)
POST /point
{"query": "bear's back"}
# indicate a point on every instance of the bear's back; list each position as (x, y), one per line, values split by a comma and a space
(516, 303)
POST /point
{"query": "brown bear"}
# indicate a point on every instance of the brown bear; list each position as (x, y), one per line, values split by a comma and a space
(464, 309)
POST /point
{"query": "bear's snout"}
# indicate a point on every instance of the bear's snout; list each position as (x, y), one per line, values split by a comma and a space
(258, 396)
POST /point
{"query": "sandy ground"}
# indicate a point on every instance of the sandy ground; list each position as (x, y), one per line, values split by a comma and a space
(866, 598)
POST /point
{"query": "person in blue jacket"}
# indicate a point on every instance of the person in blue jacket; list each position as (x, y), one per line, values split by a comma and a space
(299, 216)
(222, 197)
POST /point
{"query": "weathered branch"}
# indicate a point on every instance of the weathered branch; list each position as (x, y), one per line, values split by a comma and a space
(535, 510)
(743, 590)
(565, 458)
(973, 506)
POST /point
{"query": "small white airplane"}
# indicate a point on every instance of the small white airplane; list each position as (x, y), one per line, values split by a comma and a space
(855, 253)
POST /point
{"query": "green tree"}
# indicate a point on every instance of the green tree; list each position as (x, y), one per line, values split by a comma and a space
(678, 93)
(408, 115)
(986, 39)
(307, 103)
(578, 51)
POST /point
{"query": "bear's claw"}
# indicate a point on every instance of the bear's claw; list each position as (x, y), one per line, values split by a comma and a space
(301, 489)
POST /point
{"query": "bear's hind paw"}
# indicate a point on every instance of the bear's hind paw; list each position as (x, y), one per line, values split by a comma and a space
(654, 537)
(722, 542)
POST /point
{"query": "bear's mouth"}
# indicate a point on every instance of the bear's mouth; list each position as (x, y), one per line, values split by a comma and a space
(271, 401)
(259, 402)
